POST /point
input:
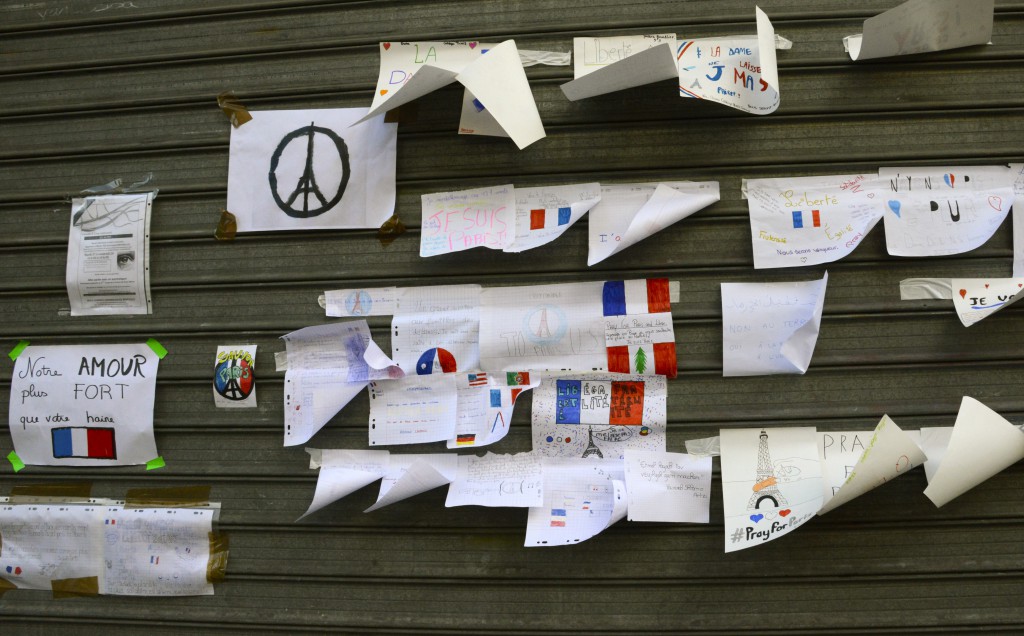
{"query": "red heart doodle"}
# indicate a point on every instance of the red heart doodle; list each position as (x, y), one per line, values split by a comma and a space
(472, 45)
(387, 45)
(783, 513)
(963, 293)
(986, 285)
(383, 92)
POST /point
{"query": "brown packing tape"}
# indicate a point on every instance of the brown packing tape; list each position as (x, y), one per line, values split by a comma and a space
(233, 108)
(404, 114)
(179, 497)
(227, 227)
(55, 493)
(392, 229)
(217, 566)
(68, 588)
(6, 586)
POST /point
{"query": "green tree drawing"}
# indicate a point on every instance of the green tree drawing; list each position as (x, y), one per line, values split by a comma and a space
(640, 360)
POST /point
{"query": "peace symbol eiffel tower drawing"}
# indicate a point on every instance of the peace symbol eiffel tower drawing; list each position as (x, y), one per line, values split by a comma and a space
(297, 203)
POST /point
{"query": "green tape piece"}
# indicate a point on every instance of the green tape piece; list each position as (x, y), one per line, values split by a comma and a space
(16, 462)
(153, 464)
(157, 348)
(18, 348)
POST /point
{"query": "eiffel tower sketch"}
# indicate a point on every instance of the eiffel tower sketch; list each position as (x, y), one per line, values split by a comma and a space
(543, 331)
(592, 448)
(765, 488)
(298, 202)
(307, 183)
(231, 390)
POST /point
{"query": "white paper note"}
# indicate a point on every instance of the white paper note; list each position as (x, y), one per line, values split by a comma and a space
(436, 329)
(933, 442)
(108, 255)
(84, 405)
(234, 376)
(981, 445)
(1017, 170)
(545, 213)
(810, 220)
(497, 481)
(771, 483)
(342, 472)
(50, 542)
(942, 211)
(410, 475)
(484, 409)
(856, 462)
(311, 170)
(739, 71)
(770, 328)
(673, 487)
(920, 26)
(978, 298)
(605, 65)
(356, 303)
(629, 213)
(542, 327)
(599, 415)
(457, 221)
(412, 410)
(581, 499)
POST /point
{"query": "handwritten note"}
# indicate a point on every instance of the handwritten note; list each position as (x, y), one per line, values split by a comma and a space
(978, 298)
(412, 410)
(485, 404)
(668, 486)
(457, 221)
(497, 481)
(84, 405)
(581, 499)
(545, 213)
(920, 26)
(604, 65)
(770, 328)
(436, 329)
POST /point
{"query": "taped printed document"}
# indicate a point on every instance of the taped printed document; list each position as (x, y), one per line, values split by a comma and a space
(312, 170)
(920, 26)
(982, 444)
(943, 211)
(605, 65)
(810, 220)
(492, 74)
(108, 255)
(673, 487)
(545, 213)
(599, 415)
(770, 328)
(771, 483)
(234, 376)
(581, 500)
(629, 213)
(413, 410)
(342, 472)
(84, 405)
(856, 462)
(515, 481)
(739, 71)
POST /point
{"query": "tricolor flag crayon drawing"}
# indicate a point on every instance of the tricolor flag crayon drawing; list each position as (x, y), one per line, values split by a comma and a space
(639, 333)
(558, 517)
(84, 442)
(549, 217)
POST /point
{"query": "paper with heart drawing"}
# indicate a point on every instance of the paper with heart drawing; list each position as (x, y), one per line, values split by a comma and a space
(605, 65)
(942, 211)
(581, 499)
(629, 213)
(770, 328)
(342, 472)
(856, 462)
(739, 71)
(920, 26)
(410, 475)
(545, 213)
(312, 169)
(810, 220)
(462, 220)
(977, 298)
(771, 483)
(981, 445)
(670, 487)
(1017, 170)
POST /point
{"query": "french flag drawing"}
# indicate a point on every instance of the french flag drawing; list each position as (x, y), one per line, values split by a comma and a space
(634, 297)
(549, 217)
(84, 442)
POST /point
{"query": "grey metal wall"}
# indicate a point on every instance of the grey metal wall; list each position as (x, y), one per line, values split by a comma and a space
(90, 90)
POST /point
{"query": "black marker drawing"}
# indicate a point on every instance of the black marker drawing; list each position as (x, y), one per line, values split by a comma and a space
(307, 185)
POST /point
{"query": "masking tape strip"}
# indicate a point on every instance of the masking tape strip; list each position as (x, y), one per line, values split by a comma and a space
(176, 497)
(51, 493)
(6, 586)
(155, 463)
(233, 108)
(217, 566)
(18, 348)
(157, 348)
(227, 227)
(16, 462)
(392, 229)
(68, 588)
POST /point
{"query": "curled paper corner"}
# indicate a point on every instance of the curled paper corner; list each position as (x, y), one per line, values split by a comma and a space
(391, 230)
(227, 227)
(230, 106)
(377, 359)
(799, 347)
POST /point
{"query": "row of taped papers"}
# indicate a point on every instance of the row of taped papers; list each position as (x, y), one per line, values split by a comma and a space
(234, 376)
(668, 487)
(328, 365)
(599, 415)
(513, 480)
(312, 170)
(945, 210)
(605, 65)
(545, 213)
(435, 329)
(639, 333)
(629, 213)
(498, 93)
(108, 255)
(921, 26)
(981, 445)
(738, 71)
(84, 405)
(811, 220)
(854, 462)
(581, 499)
(110, 548)
(770, 328)
(771, 483)
(1017, 170)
